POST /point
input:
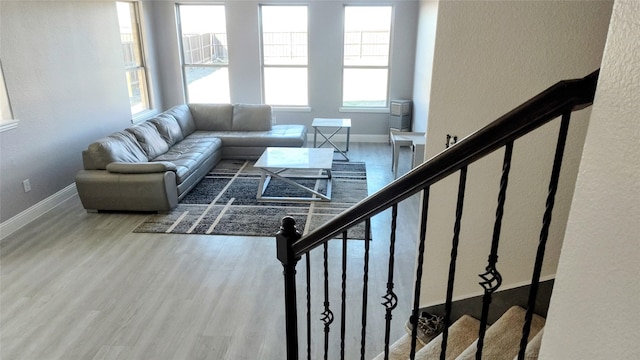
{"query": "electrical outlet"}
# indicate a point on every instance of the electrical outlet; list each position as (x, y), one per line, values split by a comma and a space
(26, 184)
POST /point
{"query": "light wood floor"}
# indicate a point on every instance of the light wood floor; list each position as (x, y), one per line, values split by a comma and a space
(75, 285)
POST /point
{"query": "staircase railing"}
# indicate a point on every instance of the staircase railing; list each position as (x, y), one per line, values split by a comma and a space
(560, 100)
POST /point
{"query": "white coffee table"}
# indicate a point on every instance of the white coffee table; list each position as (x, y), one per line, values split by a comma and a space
(288, 164)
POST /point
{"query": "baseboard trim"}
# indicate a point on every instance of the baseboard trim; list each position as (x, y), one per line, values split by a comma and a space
(502, 300)
(22, 219)
(353, 138)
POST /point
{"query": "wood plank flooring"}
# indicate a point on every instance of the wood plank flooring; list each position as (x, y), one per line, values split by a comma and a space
(78, 285)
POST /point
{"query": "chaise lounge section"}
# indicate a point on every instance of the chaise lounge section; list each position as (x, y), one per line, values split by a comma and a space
(152, 165)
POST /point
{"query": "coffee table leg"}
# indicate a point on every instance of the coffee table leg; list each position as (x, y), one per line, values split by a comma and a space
(267, 175)
(348, 136)
(262, 186)
(315, 136)
(329, 181)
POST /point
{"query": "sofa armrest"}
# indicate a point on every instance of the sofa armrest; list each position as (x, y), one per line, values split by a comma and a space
(141, 167)
(102, 190)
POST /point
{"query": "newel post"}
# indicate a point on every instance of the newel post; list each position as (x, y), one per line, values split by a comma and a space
(287, 235)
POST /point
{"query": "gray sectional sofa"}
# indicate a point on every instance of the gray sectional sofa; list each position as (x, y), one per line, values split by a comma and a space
(150, 166)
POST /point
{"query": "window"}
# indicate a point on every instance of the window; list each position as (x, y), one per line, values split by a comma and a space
(7, 122)
(133, 56)
(285, 55)
(367, 33)
(205, 55)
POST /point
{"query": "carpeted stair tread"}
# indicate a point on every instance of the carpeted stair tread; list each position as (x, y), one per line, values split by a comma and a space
(461, 334)
(428, 328)
(502, 339)
(533, 347)
(400, 349)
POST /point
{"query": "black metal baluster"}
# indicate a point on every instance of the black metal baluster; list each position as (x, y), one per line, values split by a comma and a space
(343, 309)
(391, 299)
(327, 315)
(308, 263)
(491, 277)
(365, 287)
(544, 232)
(452, 262)
(418, 284)
(288, 235)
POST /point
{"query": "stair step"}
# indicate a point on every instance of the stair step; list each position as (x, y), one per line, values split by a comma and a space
(502, 339)
(533, 347)
(428, 328)
(400, 349)
(461, 334)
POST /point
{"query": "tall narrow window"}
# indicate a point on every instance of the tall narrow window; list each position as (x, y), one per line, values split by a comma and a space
(135, 71)
(285, 55)
(367, 34)
(205, 56)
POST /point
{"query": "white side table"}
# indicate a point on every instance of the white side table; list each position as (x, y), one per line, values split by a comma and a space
(320, 124)
(415, 140)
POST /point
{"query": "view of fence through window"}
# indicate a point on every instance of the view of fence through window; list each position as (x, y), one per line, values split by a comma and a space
(285, 47)
(284, 41)
(205, 56)
(285, 55)
(133, 57)
(367, 33)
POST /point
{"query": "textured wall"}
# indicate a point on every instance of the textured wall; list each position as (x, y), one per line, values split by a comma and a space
(491, 56)
(594, 307)
(64, 73)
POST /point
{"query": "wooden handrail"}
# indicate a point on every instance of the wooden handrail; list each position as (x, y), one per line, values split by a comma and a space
(567, 95)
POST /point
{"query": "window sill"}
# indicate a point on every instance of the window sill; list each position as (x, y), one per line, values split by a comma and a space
(291, 108)
(363, 110)
(144, 116)
(8, 125)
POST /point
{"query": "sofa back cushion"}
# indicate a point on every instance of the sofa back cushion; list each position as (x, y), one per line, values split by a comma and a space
(168, 128)
(212, 117)
(183, 116)
(251, 117)
(121, 146)
(149, 139)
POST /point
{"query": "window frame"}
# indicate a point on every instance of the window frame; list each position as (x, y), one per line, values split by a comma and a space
(184, 65)
(285, 107)
(368, 108)
(141, 67)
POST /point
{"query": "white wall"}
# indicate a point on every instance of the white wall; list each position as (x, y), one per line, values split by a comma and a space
(491, 56)
(594, 306)
(64, 73)
(325, 60)
(426, 40)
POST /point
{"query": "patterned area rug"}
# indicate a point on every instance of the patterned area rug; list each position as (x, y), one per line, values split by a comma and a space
(224, 203)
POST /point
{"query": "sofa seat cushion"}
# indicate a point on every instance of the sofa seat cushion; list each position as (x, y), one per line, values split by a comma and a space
(279, 135)
(189, 154)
